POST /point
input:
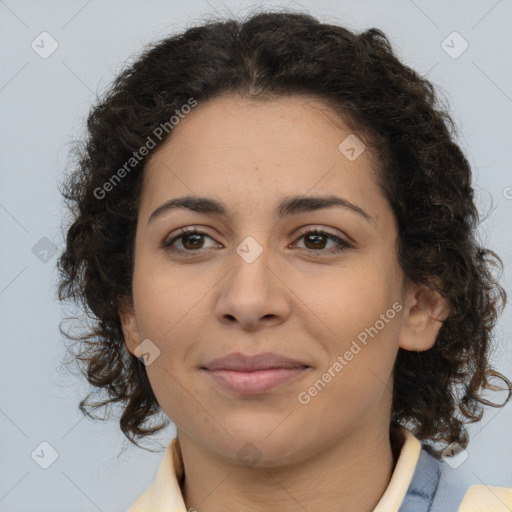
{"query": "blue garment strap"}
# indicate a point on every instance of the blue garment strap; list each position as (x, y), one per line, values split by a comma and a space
(434, 487)
(424, 484)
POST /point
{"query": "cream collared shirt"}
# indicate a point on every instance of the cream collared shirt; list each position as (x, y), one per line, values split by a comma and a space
(164, 495)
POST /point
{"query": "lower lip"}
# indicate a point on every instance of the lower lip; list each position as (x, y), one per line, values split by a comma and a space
(255, 382)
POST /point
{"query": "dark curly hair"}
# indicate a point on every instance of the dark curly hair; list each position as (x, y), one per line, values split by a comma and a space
(422, 172)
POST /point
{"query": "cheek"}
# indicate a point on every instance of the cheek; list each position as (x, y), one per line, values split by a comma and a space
(169, 379)
(166, 295)
(346, 301)
(358, 393)
(163, 316)
(363, 315)
(356, 381)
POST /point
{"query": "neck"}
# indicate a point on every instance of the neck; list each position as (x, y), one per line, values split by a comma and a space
(353, 473)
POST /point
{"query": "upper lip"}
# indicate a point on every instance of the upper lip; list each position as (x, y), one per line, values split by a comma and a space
(240, 362)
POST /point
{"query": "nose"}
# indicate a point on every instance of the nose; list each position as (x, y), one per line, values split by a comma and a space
(254, 293)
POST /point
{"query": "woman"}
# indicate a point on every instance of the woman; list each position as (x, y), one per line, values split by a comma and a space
(275, 233)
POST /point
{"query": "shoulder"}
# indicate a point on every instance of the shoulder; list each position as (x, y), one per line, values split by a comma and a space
(486, 498)
(445, 489)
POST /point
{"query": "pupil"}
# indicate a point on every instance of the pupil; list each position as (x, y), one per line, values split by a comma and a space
(188, 237)
(317, 237)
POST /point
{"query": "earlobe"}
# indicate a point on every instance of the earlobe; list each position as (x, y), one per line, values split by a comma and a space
(128, 323)
(423, 316)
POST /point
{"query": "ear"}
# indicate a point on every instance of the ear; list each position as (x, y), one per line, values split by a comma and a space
(129, 324)
(424, 312)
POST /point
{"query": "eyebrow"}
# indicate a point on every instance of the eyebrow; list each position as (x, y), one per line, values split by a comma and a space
(288, 206)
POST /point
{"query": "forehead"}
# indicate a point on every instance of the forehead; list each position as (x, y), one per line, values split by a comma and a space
(231, 122)
(245, 151)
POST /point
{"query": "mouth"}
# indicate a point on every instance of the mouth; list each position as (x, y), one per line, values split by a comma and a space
(254, 382)
(254, 374)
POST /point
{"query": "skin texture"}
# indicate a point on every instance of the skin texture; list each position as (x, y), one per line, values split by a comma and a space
(297, 299)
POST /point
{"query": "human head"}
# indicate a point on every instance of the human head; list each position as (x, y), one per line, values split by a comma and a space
(421, 172)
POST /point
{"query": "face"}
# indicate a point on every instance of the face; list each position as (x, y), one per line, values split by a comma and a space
(256, 278)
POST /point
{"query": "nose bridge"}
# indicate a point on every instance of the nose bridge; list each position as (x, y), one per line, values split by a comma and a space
(251, 276)
(251, 291)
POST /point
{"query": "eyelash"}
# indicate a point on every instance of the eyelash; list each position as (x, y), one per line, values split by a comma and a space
(343, 244)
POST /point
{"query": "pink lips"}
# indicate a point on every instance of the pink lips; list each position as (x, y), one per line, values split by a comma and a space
(252, 375)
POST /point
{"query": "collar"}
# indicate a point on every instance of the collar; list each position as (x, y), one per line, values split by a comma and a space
(164, 495)
(401, 478)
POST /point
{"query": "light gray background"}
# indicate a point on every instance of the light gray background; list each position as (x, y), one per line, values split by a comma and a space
(44, 103)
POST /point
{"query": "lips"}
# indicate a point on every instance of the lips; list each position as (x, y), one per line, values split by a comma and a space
(252, 375)
(246, 363)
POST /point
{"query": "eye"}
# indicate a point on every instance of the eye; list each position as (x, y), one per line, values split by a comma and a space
(317, 239)
(191, 240)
